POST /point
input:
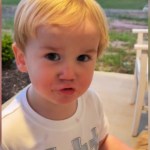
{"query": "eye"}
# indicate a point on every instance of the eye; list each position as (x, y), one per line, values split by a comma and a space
(53, 56)
(83, 58)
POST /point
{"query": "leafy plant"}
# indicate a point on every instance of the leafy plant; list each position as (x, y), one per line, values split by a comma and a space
(7, 54)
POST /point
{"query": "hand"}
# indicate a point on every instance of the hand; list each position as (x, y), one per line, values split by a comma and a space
(112, 143)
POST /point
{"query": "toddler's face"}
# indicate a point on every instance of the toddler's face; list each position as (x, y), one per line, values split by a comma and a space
(60, 62)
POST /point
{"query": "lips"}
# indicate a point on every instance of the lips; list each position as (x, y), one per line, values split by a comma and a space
(67, 91)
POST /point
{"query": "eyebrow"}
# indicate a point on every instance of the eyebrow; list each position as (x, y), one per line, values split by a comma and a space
(91, 50)
(52, 48)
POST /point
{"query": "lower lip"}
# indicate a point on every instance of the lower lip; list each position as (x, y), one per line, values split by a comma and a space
(67, 91)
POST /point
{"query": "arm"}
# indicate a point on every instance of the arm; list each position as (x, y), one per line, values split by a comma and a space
(112, 143)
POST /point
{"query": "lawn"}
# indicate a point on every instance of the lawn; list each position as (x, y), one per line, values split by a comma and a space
(119, 56)
(7, 23)
(122, 4)
(10, 2)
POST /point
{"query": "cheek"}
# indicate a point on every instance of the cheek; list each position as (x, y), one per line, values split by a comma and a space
(39, 74)
(86, 77)
(41, 81)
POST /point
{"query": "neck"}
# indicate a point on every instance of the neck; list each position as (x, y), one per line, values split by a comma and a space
(50, 110)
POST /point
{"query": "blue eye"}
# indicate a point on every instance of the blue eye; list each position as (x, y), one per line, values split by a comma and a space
(53, 56)
(83, 58)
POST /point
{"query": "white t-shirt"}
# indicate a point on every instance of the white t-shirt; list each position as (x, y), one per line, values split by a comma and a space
(24, 129)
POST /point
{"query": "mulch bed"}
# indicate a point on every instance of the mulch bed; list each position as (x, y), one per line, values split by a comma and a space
(12, 82)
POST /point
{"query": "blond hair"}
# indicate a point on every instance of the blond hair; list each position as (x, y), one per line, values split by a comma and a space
(30, 14)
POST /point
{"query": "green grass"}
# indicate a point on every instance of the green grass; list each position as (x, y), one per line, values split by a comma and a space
(7, 23)
(10, 2)
(128, 37)
(135, 19)
(123, 4)
(118, 59)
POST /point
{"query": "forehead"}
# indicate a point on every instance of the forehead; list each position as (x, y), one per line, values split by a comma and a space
(85, 29)
(79, 37)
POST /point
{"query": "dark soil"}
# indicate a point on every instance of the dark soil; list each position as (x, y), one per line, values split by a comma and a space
(12, 82)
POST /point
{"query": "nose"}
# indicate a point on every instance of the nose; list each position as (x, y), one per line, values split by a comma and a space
(67, 72)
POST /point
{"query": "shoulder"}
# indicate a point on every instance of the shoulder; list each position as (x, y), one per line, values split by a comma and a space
(92, 96)
(92, 101)
(11, 113)
(13, 118)
(14, 103)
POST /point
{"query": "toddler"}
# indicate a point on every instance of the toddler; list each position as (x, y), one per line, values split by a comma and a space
(57, 43)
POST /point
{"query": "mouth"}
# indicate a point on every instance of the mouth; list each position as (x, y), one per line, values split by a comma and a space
(67, 91)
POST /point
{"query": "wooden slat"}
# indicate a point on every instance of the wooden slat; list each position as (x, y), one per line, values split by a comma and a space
(141, 46)
(140, 30)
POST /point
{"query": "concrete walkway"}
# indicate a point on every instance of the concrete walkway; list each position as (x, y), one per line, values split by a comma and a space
(115, 90)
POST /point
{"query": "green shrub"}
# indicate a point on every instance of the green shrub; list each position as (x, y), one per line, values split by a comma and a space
(7, 54)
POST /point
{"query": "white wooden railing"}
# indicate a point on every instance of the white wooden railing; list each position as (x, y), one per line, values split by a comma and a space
(140, 77)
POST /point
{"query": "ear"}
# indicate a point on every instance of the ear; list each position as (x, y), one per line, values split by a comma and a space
(19, 57)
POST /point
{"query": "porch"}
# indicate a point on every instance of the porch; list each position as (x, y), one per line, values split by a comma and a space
(115, 90)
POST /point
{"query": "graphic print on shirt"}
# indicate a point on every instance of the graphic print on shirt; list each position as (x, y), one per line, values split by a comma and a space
(92, 144)
(52, 148)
